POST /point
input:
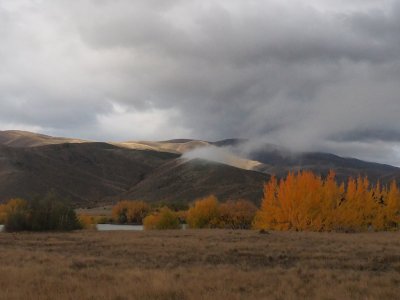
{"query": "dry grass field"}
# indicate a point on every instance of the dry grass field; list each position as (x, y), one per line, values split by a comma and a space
(199, 264)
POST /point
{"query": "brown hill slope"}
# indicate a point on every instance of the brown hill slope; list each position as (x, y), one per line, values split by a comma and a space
(18, 138)
(184, 181)
(92, 174)
(86, 173)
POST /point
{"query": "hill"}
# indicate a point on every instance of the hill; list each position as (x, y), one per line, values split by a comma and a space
(91, 174)
(18, 138)
(86, 173)
(182, 170)
(279, 162)
(182, 180)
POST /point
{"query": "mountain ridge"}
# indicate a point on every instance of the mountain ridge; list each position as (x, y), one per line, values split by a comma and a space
(95, 173)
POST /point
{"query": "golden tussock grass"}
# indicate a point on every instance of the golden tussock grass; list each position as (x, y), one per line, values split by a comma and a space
(199, 264)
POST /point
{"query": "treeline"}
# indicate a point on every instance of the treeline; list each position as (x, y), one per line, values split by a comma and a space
(204, 213)
(305, 201)
(41, 214)
(302, 201)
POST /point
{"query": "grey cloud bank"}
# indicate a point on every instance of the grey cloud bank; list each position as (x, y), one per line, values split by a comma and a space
(307, 75)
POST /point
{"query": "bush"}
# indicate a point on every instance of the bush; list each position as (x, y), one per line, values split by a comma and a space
(237, 214)
(173, 205)
(2, 213)
(204, 213)
(89, 221)
(164, 219)
(130, 212)
(51, 213)
(48, 213)
(16, 217)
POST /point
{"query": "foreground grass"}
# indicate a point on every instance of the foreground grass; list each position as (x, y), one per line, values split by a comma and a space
(202, 264)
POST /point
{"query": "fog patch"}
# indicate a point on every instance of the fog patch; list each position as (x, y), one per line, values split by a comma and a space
(220, 155)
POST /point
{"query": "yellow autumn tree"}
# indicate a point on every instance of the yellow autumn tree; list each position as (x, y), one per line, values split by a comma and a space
(293, 204)
(165, 218)
(392, 208)
(305, 201)
(130, 212)
(2, 213)
(269, 216)
(204, 213)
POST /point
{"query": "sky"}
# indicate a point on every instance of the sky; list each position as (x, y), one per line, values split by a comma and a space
(310, 75)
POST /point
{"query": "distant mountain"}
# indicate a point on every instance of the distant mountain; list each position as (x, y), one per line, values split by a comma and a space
(17, 138)
(173, 146)
(92, 174)
(87, 173)
(280, 162)
(229, 142)
(181, 180)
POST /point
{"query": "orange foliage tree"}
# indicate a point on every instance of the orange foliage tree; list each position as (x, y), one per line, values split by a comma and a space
(130, 212)
(236, 214)
(204, 213)
(2, 213)
(305, 201)
(209, 213)
(164, 219)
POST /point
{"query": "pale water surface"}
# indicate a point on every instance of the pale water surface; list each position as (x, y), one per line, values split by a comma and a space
(113, 227)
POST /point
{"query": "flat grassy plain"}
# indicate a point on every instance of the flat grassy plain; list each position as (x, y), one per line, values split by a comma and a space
(199, 264)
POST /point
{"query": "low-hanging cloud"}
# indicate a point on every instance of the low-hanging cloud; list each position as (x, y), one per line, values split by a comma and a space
(223, 155)
(308, 75)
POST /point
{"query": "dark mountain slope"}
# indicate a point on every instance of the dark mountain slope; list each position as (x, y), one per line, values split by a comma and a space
(280, 162)
(91, 174)
(86, 173)
(185, 181)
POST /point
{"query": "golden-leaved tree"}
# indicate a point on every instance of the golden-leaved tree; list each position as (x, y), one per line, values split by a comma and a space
(210, 213)
(305, 201)
(165, 218)
(130, 212)
(204, 213)
(3, 213)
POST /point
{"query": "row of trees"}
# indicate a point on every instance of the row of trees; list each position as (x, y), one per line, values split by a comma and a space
(41, 214)
(305, 201)
(301, 201)
(209, 213)
(130, 212)
(205, 213)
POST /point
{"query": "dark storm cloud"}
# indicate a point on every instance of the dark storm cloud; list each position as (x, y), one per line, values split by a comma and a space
(310, 75)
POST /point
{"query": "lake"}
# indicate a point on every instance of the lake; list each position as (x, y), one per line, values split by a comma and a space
(114, 227)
